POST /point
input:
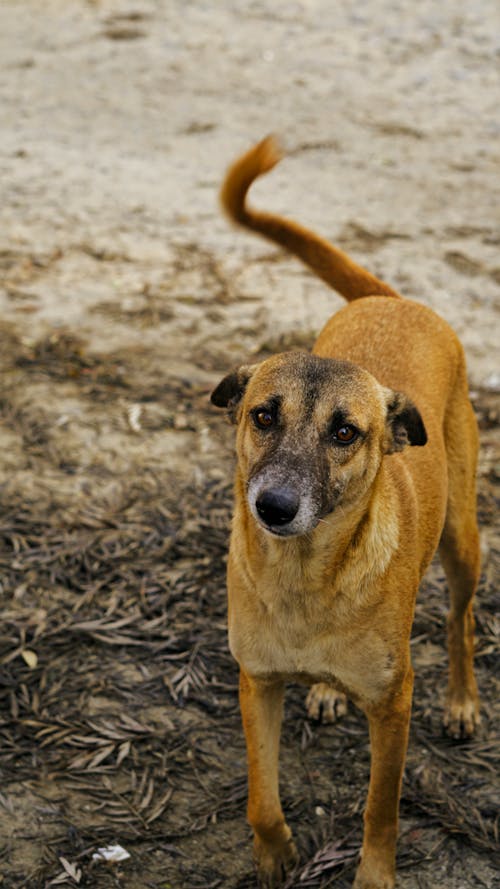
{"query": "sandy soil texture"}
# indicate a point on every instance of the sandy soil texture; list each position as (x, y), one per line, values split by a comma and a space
(124, 296)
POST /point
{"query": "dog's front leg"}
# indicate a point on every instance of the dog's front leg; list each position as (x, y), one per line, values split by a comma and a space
(261, 705)
(389, 727)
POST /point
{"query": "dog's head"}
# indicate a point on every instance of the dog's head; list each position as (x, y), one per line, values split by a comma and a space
(312, 433)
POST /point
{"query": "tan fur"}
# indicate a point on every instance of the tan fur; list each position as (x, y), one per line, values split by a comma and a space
(330, 540)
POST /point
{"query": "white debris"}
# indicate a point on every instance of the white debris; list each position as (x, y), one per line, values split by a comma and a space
(492, 382)
(134, 415)
(111, 854)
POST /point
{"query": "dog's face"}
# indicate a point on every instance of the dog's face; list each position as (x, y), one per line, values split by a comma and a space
(311, 436)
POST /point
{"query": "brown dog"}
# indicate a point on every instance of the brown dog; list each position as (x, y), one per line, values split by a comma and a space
(355, 463)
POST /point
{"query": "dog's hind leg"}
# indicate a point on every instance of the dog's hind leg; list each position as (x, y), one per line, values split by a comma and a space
(459, 551)
(325, 704)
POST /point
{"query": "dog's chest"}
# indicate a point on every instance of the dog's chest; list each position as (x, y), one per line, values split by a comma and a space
(297, 639)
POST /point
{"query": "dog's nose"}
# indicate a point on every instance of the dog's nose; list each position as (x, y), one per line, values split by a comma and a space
(277, 506)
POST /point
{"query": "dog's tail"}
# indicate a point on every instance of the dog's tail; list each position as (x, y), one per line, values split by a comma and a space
(329, 263)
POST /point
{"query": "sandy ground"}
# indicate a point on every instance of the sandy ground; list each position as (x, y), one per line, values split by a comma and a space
(124, 294)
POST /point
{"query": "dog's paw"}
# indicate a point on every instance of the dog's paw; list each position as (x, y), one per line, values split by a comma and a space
(325, 703)
(461, 716)
(273, 861)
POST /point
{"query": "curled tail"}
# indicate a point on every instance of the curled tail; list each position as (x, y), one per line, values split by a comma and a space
(329, 263)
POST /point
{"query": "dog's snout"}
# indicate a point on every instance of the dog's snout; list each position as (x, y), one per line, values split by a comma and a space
(277, 506)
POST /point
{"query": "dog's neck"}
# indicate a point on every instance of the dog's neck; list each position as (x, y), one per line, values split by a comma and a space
(353, 547)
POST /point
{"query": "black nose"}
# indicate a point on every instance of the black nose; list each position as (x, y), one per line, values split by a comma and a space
(277, 506)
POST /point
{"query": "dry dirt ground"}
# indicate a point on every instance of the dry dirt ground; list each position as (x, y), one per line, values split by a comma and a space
(124, 297)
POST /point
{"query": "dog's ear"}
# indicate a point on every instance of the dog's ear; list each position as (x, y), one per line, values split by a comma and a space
(404, 425)
(231, 389)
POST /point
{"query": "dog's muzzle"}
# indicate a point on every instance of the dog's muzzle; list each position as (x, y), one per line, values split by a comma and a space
(282, 504)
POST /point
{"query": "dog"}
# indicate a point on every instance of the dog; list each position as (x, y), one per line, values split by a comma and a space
(355, 463)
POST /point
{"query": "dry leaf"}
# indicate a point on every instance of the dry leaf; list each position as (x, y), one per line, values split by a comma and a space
(30, 657)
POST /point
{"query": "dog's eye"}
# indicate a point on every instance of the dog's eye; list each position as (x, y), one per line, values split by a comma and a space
(345, 434)
(263, 419)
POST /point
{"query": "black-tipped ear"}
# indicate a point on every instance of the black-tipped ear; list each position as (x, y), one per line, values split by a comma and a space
(404, 424)
(231, 389)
